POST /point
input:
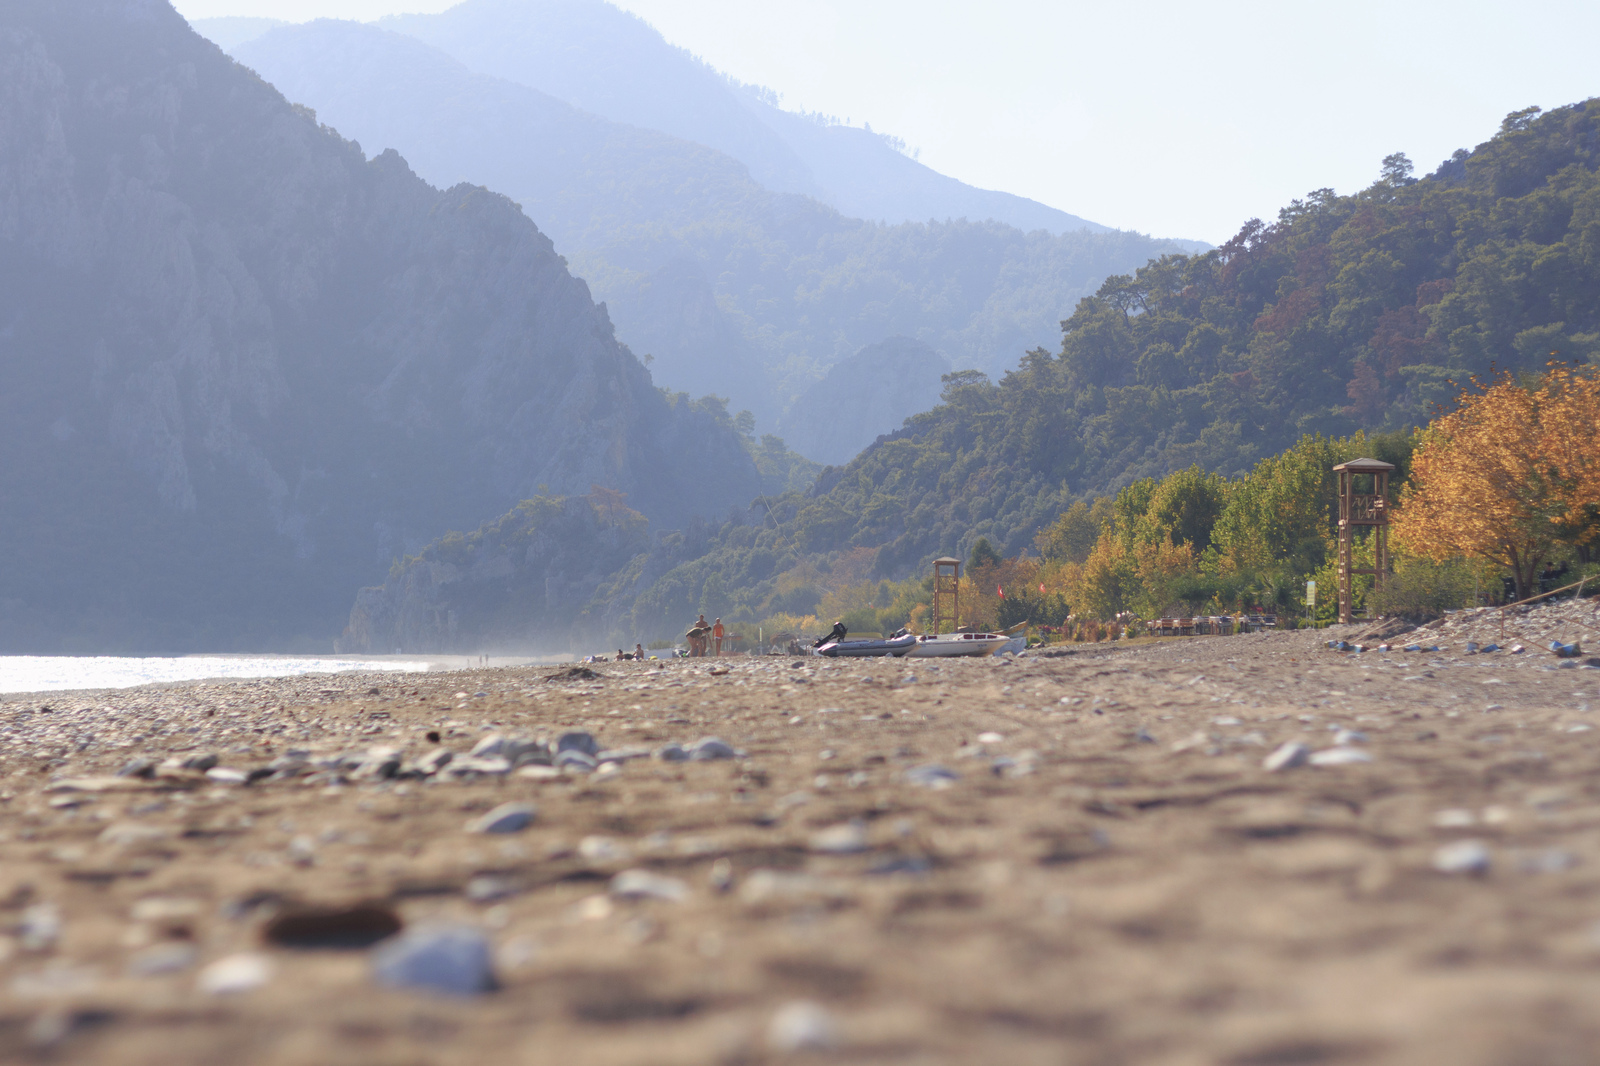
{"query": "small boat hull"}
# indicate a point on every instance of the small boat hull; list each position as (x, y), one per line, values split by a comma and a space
(960, 644)
(858, 649)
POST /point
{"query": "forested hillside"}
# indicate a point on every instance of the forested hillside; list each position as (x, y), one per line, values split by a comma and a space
(1346, 313)
(243, 367)
(731, 287)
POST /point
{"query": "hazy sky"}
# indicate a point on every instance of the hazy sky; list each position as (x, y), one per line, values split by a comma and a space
(1179, 119)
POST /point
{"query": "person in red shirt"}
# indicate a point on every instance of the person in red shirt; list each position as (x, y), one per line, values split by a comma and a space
(716, 637)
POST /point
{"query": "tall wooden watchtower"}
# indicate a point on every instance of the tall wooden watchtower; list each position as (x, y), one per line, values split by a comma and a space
(1363, 501)
(946, 595)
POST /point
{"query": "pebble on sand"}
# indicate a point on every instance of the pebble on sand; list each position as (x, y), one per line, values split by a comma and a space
(1290, 754)
(1462, 857)
(708, 748)
(578, 740)
(643, 884)
(847, 839)
(453, 959)
(506, 818)
(932, 775)
(802, 1026)
(234, 974)
(1339, 757)
(581, 761)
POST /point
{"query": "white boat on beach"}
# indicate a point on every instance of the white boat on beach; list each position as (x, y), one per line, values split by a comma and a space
(960, 644)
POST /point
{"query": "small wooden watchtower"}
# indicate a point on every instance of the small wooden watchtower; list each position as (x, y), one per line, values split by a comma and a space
(946, 595)
(1363, 501)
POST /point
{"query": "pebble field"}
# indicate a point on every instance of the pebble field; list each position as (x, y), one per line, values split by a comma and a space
(1243, 851)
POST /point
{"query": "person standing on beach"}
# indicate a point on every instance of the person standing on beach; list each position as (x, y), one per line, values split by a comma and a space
(717, 633)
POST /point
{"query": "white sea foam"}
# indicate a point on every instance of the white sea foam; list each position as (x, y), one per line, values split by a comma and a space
(55, 673)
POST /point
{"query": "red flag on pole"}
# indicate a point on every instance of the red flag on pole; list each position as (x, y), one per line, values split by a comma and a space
(1041, 588)
(1001, 591)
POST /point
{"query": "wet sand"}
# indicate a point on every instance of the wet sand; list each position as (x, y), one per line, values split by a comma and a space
(1109, 874)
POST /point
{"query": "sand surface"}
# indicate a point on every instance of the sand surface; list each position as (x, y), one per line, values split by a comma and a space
(1108, 876)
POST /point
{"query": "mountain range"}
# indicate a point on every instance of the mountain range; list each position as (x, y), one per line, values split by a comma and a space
(244, 366)
(745, 249)
(1347, 313)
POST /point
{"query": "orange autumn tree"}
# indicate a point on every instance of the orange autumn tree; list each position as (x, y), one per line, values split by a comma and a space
(1508, 475)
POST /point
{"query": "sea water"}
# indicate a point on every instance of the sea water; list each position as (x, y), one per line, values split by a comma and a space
(56, 673)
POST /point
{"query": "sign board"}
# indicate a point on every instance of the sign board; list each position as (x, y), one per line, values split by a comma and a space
(1311, 593)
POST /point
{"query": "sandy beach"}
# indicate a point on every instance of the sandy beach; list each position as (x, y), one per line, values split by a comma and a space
(1075, 858)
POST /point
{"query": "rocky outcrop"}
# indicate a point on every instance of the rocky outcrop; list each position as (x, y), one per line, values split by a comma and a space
(243, 368)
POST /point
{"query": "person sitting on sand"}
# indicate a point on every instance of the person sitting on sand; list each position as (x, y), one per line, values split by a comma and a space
(638, 653)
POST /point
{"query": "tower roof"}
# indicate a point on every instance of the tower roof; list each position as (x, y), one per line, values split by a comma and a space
(1365, 466)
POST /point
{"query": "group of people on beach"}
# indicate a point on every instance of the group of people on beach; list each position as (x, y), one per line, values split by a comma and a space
(705, 638)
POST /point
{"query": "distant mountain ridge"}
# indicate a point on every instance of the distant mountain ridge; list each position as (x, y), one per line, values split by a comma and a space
(732, 288)
(242, 367)
(613, 63)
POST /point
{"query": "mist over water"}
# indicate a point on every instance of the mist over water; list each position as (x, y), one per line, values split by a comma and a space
(57, 673)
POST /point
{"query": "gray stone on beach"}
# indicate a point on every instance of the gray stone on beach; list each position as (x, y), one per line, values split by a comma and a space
(379, 764)
(708, 748)
(290, 763)
(526, 751)
(506, 818)
(453, 959)
(1290, 753)
(578, 760)
(138, 768)
(932, 775)
(434, 761)
(490, 744)
(672, 753)
(202, 762)
(578, 740)
(224, 775)
(643, 884)
(1462, 857)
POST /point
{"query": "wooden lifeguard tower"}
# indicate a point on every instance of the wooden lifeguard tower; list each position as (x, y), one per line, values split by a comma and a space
(946, 595)
(1363, 501)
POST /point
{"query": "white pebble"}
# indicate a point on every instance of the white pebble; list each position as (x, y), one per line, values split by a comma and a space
(642, 884)
(235, 974)
(846, 839)
(1462, 857)
(802, 1026)
(1339, 757)
(1290, 754)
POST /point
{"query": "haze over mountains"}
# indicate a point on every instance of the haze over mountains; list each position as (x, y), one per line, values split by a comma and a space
(1347, 314)
(242, 367)
(696, 210)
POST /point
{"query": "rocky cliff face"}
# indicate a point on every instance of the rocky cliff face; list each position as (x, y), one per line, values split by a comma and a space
(242, 367)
